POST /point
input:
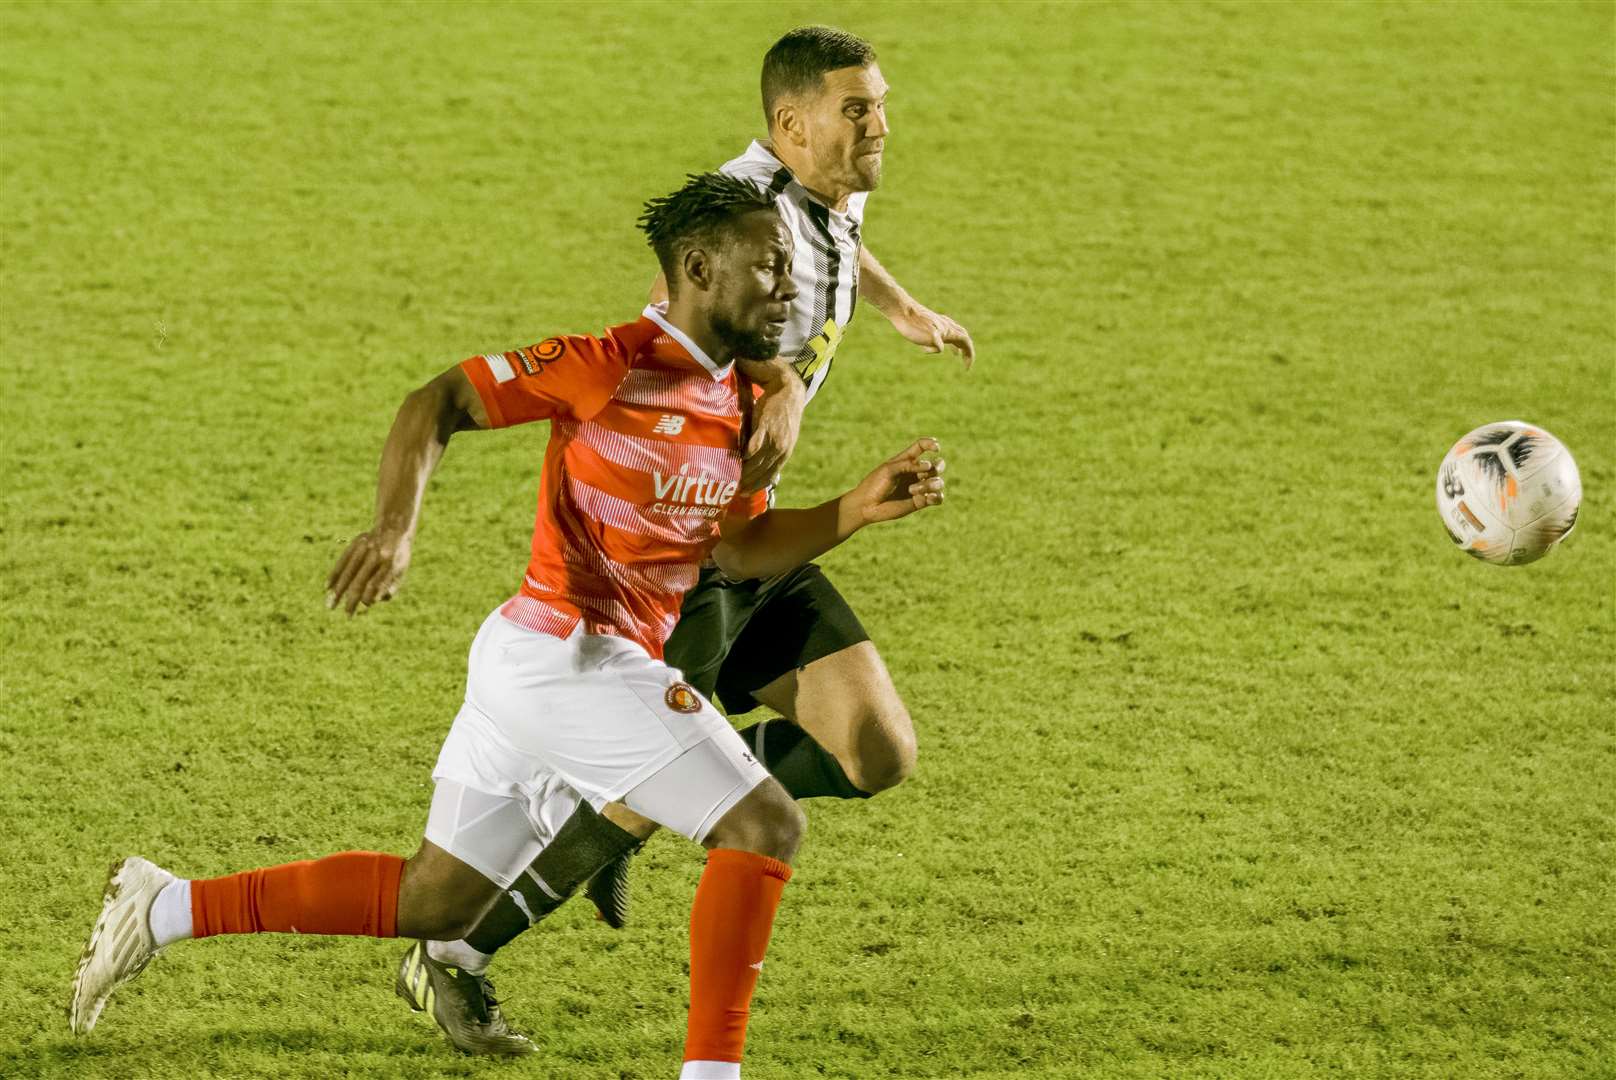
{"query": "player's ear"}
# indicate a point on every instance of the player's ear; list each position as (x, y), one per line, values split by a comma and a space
(788, 124)
(698, 268)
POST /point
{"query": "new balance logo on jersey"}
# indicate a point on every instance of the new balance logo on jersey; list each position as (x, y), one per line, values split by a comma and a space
(669, 425)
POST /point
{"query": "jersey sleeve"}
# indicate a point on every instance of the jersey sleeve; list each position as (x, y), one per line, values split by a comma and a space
(571, 377)
(746, 506)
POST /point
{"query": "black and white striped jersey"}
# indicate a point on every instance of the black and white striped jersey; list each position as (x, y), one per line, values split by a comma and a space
(825, 269)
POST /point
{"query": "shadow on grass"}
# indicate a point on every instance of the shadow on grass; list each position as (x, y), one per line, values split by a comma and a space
(238, 1051)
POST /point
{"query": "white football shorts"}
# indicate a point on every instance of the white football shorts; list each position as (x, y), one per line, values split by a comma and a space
(550, 721)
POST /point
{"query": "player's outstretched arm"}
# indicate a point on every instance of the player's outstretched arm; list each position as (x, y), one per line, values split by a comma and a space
(374, 562)
(776, 420)
(779, 540)
(914, 320)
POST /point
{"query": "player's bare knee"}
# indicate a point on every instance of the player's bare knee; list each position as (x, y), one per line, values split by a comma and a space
(886, 752)
(776, 829)
(767, 822)
(876, 774)
(787, 830)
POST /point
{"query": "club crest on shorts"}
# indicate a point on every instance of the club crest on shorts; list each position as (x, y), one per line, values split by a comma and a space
(682, 697)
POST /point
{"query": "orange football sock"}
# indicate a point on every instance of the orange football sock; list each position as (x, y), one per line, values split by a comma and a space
(355, 892)
(730, 922)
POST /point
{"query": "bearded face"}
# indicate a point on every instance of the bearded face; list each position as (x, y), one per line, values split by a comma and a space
(845, 127)
(752, 290)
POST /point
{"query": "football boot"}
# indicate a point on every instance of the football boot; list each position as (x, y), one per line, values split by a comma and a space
(463, 1004)
(121, 942)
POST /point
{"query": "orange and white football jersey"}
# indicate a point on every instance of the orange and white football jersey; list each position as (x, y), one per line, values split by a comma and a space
(643, 465)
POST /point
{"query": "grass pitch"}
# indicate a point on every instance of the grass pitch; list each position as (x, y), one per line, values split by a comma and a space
(1230, 767)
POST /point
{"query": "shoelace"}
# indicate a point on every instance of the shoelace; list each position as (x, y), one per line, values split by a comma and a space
(490, 1002)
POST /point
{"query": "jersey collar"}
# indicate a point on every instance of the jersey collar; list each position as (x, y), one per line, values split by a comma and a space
(760, 150)
(657, 313)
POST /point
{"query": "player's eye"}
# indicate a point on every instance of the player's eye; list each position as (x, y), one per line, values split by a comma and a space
(855, 111)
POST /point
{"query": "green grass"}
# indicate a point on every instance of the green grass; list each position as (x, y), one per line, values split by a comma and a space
(1230, 765)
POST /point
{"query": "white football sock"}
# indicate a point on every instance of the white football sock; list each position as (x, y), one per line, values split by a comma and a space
(170, 915)
(459, 954)
(711, 1070)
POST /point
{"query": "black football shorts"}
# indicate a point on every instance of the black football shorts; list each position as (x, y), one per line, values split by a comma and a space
(736, 637)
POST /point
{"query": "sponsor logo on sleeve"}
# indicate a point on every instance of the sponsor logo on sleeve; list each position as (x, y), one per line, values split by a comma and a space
(534, 358)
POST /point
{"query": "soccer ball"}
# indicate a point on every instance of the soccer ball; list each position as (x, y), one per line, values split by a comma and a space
(1508, 492)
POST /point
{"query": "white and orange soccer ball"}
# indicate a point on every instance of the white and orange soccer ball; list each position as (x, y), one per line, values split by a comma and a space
(1508, 492)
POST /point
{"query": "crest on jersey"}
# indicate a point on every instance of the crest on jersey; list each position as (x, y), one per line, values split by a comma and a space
(682, 698)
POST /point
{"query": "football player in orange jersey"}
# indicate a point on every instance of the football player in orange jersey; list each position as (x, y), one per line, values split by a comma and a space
(567, 698)
(790, 642)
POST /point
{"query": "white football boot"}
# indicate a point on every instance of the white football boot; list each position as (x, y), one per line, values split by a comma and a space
(121, 945)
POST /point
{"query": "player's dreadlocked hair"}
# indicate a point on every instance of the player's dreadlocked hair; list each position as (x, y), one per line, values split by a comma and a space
(699, 213)
(796, 64)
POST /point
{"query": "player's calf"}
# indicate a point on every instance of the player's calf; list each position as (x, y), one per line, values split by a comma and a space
(749, 850)
(440, 898)
(583, 845)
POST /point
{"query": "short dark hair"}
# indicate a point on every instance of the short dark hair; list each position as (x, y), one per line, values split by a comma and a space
(702, 211)
(798, 61)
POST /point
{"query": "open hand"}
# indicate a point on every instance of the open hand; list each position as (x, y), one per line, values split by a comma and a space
(908, 481)
(934, 332)
(368, 572)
